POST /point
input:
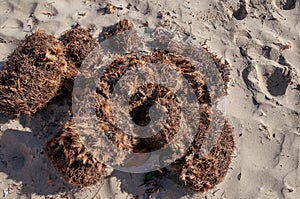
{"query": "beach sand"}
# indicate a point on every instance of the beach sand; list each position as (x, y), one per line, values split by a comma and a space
(260, 40)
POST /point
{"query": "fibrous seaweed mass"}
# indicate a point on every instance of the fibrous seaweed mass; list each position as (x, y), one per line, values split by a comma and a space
(199, 170)
(78, 43)
(69, 156)
(43, 67)
(32, 74)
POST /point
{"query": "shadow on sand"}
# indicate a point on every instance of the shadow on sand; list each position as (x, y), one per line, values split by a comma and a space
(22, 156)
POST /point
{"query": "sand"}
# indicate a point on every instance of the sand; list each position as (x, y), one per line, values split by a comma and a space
(259, 39)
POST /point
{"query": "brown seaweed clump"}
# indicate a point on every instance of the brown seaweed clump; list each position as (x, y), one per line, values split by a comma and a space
(115, 29)
(78, 43)
(144, 97)
(72, 159)
(66, 151)
(32, 74)
(41, 66)
(110, 8)
(201, 168)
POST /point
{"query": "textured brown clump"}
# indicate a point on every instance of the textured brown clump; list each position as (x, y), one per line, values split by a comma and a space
(78, 43)
(72, 159)
(32, 74)
(66, 151)
(202, 168)
(115, 29)
(144, 97)
(110, 9)
(40, 67)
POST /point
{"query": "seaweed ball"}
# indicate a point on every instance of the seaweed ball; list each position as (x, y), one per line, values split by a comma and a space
(72, 159)
(78, 43)
(32, 75)
(200, 171)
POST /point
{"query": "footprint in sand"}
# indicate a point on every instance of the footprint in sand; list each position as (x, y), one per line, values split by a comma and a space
(51, 27)
(16, 155)
(46, 11)
(285, 4)
(270, 52)
(13, 27)
(274, 79)
(5, 9)
(241, 13)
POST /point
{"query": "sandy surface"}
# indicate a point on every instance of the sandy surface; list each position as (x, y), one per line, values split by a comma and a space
(262, 45)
